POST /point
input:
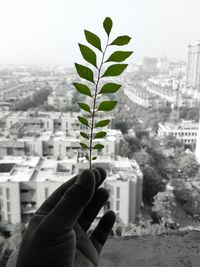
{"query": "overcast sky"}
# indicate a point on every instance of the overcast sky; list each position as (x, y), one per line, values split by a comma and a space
(47, 31)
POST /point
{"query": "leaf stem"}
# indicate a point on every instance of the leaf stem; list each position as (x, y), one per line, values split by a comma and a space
(94, 103)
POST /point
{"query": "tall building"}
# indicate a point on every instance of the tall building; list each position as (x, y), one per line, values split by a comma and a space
(197, 152)
(149, 65)
(193, 67)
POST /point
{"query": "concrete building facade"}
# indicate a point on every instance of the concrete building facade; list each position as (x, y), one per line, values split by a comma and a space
(193, 67)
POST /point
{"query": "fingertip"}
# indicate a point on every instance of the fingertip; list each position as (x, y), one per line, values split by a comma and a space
(107, 221)
(86, 179)
(97, 176)
(102, 174)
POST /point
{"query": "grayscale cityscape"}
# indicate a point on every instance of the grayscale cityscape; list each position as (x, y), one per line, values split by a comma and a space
(151, 153)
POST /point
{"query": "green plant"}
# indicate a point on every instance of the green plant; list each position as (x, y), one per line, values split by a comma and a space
(94, 77)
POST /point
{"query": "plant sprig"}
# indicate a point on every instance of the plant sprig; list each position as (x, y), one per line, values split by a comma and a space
(109, 88)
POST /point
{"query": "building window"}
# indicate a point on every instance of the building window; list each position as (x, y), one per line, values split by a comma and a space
(7, 193)
(9, 218)
(46, 192)
(118, 192)
(8, 206)
(117, 205)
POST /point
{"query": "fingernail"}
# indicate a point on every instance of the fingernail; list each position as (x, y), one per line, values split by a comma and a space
(85, 179)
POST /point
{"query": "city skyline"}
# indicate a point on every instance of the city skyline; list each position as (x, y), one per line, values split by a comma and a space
(38, 33)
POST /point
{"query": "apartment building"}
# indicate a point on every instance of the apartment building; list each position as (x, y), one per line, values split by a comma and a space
(193, 67)
(27, 181)
(143, 98)
(197, 151)
(185, 131)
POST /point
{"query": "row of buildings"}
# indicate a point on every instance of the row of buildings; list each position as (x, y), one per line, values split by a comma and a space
(40, 150)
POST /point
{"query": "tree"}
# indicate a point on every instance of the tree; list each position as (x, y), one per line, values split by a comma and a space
(122, 125)
(189, 165)
(187, 196)
(152, 184)
(165, 205)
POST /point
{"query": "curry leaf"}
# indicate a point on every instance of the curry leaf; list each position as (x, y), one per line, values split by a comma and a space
(115, 70)
(107, 105)
(107, 24)
(110, 88)
(83, 121)
(84, 72)
(84, 135)
(102, 123)
(93, 39)
(84, 107)
(98, 146)
(82, 89)
(88, 54)
(83, 145)
(100, 135)
(119, 56)
(121, 40)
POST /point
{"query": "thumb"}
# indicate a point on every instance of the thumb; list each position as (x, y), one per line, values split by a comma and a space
(66, 213)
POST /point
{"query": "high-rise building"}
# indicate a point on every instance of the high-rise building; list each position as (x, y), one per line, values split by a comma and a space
(193, 67)
(197, 152)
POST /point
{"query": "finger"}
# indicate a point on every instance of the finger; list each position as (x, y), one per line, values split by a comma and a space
(93, 208)
(101, 232)
(102, 175)
(71, 205)
(54, 198)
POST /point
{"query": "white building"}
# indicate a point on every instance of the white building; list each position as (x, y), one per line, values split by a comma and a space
(60, 102)
(185, 131)
(197, 152)
(27, 181)
(193, 67)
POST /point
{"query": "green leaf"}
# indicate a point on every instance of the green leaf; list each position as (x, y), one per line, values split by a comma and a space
(107, 105)
(83, 121)
(107, 24)
(88, 54)
(98, 146)
(121, 40)
(82, 89)
(83, 145)
(84, 107)
(110, 88)
(84, 135)
(115, 70)
(100, 135)
(93, 39)
(93, 158)
(119, 56)
(87, 157)
(84, 72)
(102, 123)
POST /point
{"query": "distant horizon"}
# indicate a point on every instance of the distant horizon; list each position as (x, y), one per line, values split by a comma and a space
(51, 65)
(38, 32)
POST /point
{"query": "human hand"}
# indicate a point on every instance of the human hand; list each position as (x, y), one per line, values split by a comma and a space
(57, 233)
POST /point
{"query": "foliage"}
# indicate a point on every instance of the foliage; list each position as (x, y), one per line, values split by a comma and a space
(152, 184)
(38, 99)
(94, 77)
(189, 165)
(187, 196)
(189, 113)
(121, 125)
(171, 141)
(165, 205)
